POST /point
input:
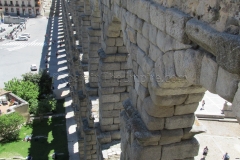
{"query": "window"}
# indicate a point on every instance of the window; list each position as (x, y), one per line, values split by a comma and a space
(12, 10)
(11, 3)
(6, 10)
(29, 11)
(22, 2)
(16, 2)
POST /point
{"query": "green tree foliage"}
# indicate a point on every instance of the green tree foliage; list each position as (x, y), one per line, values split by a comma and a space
(46, 105)
(24, 89)
(45, 84)
(10, 126)
(42, 79)
(32, 77)
(35, 89)
(34, 106)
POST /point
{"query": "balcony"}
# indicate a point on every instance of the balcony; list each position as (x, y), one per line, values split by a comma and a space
(17, 5)
(29, 5)
(23, 5)
(5, 4)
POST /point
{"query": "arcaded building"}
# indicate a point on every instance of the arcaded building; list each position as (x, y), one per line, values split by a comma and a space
(26, 8)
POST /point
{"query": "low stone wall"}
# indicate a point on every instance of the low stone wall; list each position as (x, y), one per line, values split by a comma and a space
(22, 106)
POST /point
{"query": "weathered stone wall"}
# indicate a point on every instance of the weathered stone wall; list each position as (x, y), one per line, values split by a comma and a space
(223, 15)
(159, 55)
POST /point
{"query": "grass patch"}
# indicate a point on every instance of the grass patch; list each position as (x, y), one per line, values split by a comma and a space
(60, 106)
(40, 149)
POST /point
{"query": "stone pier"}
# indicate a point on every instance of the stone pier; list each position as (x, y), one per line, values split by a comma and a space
(138, 70)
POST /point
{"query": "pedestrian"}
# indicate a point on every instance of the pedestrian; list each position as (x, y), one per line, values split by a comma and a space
(60, 44)
(54, 155)
(29, 157)
(205, 152)
(203, 103)
(226, 156)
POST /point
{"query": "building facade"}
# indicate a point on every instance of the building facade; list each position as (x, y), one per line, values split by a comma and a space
(1, 15)
(25, 8)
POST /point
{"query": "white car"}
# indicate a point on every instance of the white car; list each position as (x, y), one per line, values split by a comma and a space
(33, 67)
(26, 34)
(22, 38)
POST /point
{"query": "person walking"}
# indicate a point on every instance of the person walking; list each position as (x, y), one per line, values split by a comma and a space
(29, 157)
(54, 155)
(205, 152)
(203, 103)
(226, 156)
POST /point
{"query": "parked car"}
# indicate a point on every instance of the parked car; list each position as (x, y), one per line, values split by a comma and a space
(33, 67)
(26, 34)
(22, 38)
(2, 39)
(2, 30)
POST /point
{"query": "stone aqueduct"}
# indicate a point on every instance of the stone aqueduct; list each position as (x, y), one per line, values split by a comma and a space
(138, 70)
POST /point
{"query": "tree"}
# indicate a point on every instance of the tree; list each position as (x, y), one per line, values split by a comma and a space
(32, 77)
(46, 105)
(24, 89)
(42, 79)
(45, 83)
(10, 125)
(34, 106)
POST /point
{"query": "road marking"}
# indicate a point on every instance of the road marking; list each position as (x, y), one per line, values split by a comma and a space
(20, 44)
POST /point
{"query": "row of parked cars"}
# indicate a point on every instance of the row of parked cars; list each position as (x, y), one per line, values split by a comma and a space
(23, 37)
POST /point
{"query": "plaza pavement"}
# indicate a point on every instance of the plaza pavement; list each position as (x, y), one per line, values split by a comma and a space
(221, 137)
(213, 104)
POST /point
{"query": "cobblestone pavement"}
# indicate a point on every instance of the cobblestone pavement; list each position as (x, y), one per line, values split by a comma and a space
(221, 137)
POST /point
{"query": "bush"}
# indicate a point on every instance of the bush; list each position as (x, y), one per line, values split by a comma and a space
(10, 126)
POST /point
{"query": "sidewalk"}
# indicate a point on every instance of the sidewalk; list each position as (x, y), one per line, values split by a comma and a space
(71, 128)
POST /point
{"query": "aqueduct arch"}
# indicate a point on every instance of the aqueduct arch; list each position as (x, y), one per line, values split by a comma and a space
(144, 66)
